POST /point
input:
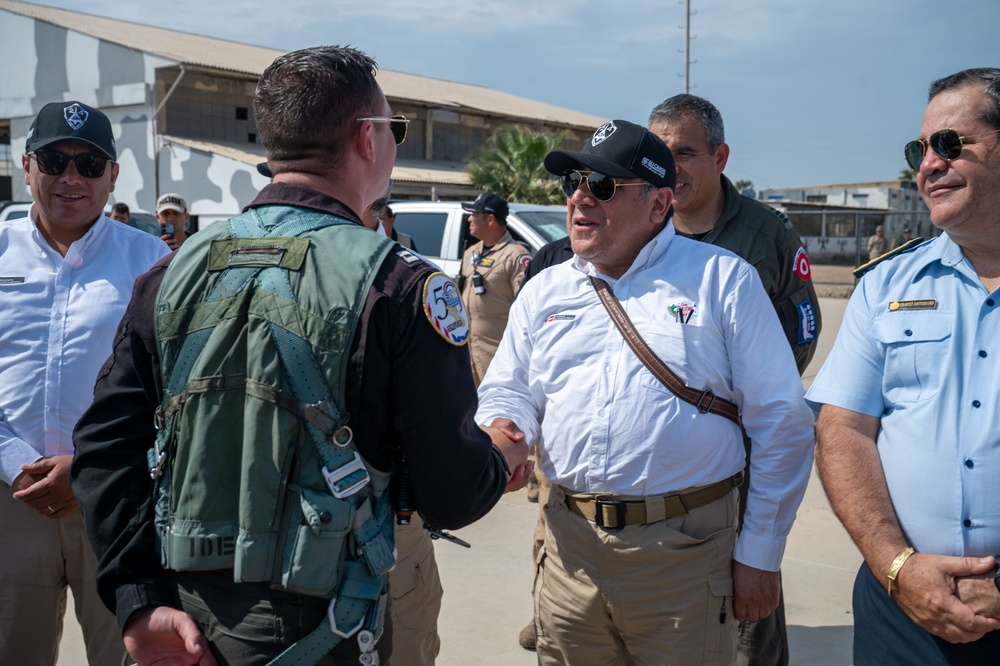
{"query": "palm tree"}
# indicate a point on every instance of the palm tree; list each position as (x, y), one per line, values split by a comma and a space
(907, 174)
(511, 165)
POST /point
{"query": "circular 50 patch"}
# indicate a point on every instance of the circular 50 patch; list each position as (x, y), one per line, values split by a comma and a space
(445, 310)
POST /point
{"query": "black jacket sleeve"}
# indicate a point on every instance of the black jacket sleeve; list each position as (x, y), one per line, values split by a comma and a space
(110, 475)
(419, 389)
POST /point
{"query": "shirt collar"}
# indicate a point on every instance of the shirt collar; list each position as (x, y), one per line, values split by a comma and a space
(79, 247)
(650, 252)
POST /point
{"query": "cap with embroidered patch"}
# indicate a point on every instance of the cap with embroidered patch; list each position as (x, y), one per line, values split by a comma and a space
(171, 202)
(487, 202)
(621, 149)
(71, 121)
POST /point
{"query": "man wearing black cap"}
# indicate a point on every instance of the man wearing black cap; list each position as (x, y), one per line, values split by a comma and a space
(642, 562)
(904, 237)
(66, 272)
(492, 272)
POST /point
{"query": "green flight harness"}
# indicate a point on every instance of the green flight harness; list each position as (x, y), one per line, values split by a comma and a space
(254, 466)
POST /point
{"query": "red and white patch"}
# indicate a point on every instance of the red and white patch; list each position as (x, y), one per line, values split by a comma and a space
(802, 264)
(525, 260)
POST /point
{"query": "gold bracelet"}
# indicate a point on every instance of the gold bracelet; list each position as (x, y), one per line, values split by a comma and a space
(894, 568)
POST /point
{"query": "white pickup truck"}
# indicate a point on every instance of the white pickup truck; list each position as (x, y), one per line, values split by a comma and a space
(440, 229)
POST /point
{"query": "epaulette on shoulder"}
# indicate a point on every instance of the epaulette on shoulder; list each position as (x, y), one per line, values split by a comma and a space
(908, 246)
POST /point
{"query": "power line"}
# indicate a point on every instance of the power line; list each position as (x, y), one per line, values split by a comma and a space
(687, 45)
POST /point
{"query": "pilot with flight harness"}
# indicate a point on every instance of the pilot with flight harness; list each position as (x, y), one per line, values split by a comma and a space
(266, 382)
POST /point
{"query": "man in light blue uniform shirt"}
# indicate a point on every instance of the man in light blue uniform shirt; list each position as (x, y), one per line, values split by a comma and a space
(908, 446)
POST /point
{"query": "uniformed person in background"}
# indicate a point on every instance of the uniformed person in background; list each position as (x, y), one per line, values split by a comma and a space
(492, 272)
(707, 207)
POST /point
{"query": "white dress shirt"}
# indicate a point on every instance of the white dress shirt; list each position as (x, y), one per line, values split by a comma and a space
(565, 375)
(58, 317)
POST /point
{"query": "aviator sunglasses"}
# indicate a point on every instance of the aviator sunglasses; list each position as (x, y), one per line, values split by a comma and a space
(946, 144)
(54, 163)
(397, 124)
(602, 187)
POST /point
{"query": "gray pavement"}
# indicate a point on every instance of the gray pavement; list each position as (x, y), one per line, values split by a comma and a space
(487, 588)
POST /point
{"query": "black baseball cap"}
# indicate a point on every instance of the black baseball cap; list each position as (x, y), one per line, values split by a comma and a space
(61, 121)
(621, 149)
(487, 202)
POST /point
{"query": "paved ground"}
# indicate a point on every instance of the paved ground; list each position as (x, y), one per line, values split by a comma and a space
(487, 588)
(833, 281)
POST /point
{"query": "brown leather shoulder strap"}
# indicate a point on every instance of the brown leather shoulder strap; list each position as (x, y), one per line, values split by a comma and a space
(705, 401)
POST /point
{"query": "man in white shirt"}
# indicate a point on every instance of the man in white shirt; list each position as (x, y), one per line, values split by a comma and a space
(641, 562)
(66, 275)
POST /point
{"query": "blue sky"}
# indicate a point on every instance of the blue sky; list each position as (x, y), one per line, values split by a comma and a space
(811, 92)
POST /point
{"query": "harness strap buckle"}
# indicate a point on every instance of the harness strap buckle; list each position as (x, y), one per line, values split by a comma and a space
(347, 479)
(332, 617)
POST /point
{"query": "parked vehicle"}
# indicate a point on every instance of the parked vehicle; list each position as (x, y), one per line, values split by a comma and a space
(144, 221)
(139, 219)
(440, 229)
(10, 210)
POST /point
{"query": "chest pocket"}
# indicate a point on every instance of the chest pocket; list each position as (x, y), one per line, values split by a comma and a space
(677, 345)
(916, 347)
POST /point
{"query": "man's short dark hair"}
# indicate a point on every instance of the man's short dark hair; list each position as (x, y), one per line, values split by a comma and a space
(683, 106)
(988, 77)
(120, 208)
(307, 103)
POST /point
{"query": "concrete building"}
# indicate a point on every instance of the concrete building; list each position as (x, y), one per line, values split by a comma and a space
(181, 107)
(835, 221)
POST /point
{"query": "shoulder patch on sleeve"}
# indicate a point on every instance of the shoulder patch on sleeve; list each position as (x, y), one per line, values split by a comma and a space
(802, 268)
(524, 260)
(902, 249)
(807, 322)
(445, 310)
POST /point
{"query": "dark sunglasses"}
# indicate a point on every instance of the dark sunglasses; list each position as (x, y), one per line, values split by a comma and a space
(602, 187)
(397, 124)
(54, 163)
(946, 144)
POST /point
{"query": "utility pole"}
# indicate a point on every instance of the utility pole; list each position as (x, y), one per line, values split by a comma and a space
(687, 45)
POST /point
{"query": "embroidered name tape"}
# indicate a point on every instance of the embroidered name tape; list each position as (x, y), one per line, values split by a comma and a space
(11, 280)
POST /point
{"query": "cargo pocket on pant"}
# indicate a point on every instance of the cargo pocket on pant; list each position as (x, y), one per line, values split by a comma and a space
(719, 622)
(416, 592)
(313, 551)
(536, 589)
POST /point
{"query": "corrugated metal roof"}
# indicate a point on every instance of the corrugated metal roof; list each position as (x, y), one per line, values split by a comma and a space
(247, 59)
(403, 174)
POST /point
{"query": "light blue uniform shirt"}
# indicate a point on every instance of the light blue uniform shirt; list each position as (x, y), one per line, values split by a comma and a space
(920, 348)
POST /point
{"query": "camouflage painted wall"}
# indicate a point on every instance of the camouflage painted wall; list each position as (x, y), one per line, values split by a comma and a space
(41, 63)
